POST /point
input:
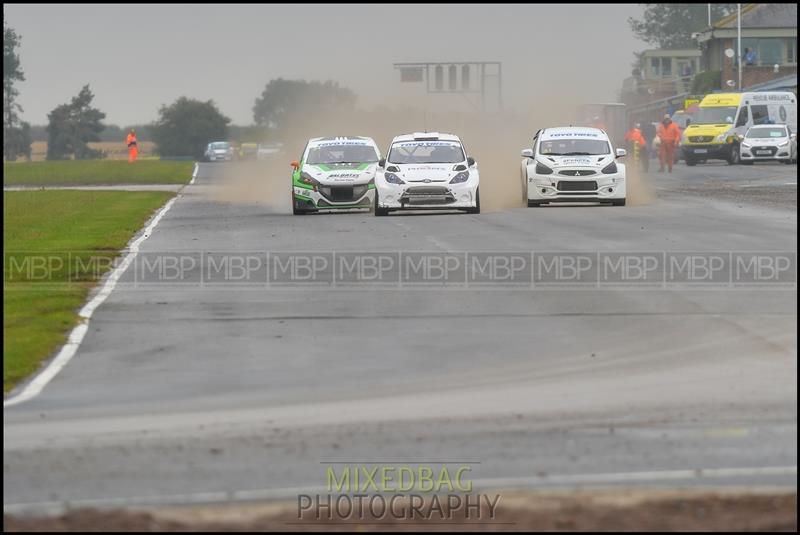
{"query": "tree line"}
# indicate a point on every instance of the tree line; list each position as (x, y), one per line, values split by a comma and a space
(182, 129)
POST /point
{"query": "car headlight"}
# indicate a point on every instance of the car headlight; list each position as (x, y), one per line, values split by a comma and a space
(305, 178)
(784, 143)
(392, 178)
(610, 169)
(745, 145)
(722, 138)
(542, 169)
(463, 176)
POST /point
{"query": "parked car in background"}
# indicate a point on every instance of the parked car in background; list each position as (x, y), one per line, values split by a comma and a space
(768, 143)
(219, 151)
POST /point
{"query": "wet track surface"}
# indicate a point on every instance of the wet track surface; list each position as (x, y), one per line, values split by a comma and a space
(187, 392)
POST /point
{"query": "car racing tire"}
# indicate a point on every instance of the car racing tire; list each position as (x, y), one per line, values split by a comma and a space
(300, 211)
(379, 212)
(745, 162)
(477, 209)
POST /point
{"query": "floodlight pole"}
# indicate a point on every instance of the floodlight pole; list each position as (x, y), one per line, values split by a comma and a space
(739, 40)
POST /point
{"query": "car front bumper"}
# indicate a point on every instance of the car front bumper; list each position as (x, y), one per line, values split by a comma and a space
(757, 153)
(593, 188)
(443, 196)
(314, 199)
(716, 151)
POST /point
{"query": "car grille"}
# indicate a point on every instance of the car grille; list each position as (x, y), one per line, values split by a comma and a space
(577, 185)
(343, 193)
(426, 190)
(576, 172)
(759, 151)
(427, 195)
(701, 139)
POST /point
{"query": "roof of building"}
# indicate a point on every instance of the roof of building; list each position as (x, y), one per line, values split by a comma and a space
(762, 16)
(785, 82)
(672, 52)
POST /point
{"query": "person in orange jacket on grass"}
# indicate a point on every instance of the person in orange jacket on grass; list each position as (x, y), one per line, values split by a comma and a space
(133, 149)
(670, 135)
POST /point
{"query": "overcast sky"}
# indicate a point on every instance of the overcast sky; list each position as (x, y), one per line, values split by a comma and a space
(137, 57)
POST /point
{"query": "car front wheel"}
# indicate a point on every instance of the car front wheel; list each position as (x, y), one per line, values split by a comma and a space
(379, 212)
(477, 209)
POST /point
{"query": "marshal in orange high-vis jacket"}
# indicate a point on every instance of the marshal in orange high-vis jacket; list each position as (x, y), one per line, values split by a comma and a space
(133, 149)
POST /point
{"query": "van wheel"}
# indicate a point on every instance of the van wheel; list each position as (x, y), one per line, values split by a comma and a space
(733, 158)
(690, 161)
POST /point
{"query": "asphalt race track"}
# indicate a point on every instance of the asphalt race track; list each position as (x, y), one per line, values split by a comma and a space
(184, 392)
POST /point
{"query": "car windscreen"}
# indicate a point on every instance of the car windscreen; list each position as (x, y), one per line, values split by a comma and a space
(405, 152)
(776, 131)
(219, 146)
(342, 154)
(720, 115)
(573, 147)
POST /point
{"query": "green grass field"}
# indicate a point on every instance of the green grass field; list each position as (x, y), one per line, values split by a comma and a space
(94, 172)
(71, 227)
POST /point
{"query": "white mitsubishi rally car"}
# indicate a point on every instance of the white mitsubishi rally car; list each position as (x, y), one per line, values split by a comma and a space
(573, 164)
(335, 173)
(425, 171)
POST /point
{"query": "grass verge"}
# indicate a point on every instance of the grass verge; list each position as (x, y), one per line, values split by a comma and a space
(96, 172)
(76, 234)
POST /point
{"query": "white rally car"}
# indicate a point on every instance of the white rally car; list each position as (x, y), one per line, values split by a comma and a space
(335, 173)
(424, 171)
(573, 164)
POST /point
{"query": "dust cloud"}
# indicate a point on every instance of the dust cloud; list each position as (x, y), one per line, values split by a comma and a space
(639, 190)
(494, 139)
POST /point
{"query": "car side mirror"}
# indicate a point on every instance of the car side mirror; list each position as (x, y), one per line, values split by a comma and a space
(793, 137)
(470, 161)
(621, 153)
(382, 162)
(295, 165)
(527, 153)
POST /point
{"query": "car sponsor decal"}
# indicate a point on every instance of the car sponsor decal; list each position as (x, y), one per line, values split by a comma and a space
(556, 135)
(574, 161)
(340, 143)
(427, 144)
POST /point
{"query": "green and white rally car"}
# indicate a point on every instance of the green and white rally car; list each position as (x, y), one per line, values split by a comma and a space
(335, 173)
